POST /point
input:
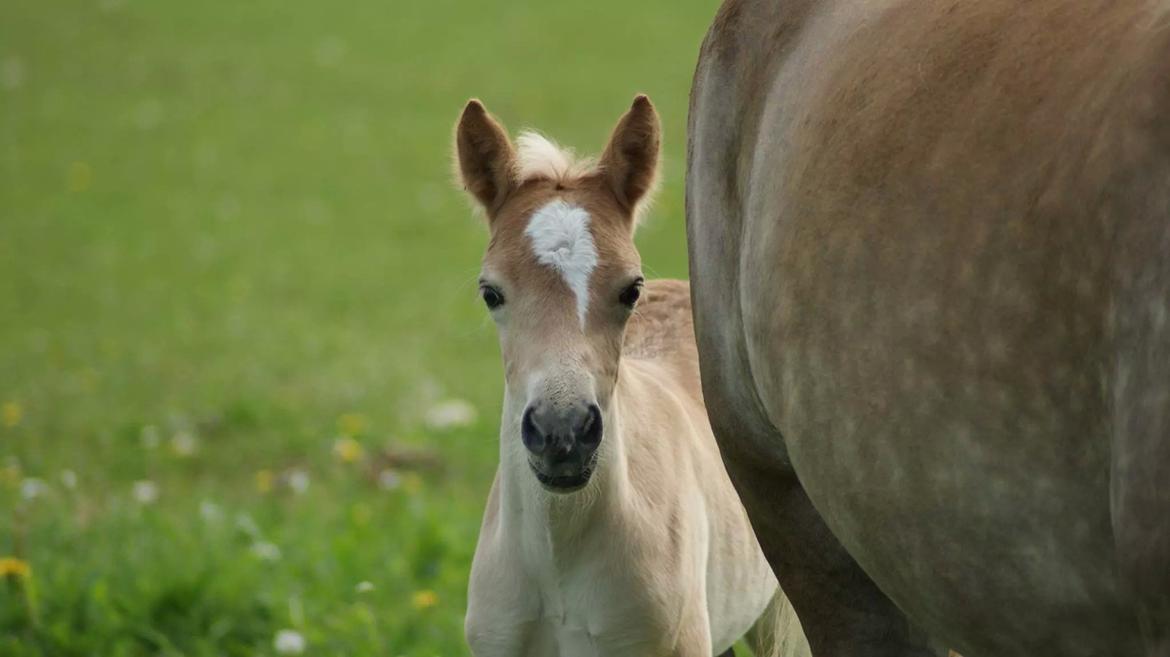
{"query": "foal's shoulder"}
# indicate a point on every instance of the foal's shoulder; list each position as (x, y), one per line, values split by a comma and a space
(661, 326)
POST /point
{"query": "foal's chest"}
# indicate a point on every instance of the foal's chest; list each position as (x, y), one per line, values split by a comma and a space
(599, 618)
(597, 605)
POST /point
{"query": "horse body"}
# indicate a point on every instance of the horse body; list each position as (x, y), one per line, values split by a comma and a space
(612, 528)
(928, 245)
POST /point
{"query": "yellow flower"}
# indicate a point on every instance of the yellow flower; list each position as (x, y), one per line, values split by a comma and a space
(264, 480)
(424, 599)
(347, 449)
(11, 414)
(88, 378)
(10, 476)
(14, 567)
(80, 176)
(412, 483)
(360, 514)
(352, 424)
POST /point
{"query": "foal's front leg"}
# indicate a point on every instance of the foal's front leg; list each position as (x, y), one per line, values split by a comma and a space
(497, 638)
(501, 609)
(498, 622)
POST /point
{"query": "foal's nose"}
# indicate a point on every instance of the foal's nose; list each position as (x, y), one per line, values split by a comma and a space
(560, 434)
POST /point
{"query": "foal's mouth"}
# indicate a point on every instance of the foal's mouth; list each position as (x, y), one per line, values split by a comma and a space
(569, 483)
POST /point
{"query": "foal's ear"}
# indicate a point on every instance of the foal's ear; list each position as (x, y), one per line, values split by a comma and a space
(630, 161)
(487, 161)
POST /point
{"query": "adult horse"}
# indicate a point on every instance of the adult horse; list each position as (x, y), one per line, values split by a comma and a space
(930, 262)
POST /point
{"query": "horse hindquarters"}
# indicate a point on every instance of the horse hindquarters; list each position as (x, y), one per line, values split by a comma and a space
(842, 612)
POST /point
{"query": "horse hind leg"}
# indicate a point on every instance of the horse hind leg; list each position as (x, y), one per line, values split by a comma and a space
(1140, 468)
(778, 633)
(1140, 487)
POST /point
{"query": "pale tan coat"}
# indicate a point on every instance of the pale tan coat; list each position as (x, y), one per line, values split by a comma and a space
(655, 556)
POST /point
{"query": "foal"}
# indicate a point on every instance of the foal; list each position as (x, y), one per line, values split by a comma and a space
(612, 528)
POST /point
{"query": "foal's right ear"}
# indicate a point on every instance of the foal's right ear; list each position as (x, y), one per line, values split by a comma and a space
(630, 161)
(487, 161)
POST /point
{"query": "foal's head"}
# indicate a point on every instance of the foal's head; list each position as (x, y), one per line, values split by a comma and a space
(560, 277)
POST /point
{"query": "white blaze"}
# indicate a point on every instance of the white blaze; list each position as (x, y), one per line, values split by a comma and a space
(561, 239)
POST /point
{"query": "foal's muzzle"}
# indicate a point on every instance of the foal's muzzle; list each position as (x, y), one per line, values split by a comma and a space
(562, 444)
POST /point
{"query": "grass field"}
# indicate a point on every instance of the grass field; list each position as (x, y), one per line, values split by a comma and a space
(247, 392)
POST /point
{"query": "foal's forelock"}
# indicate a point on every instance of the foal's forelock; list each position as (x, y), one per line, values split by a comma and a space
(540, 158)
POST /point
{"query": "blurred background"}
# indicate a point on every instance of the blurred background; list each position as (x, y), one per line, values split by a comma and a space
(248, 394)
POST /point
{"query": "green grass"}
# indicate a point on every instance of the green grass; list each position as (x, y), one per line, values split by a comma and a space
(235, 221)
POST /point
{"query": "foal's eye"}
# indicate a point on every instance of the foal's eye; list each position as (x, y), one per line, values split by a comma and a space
(630, 295)
(491, 297)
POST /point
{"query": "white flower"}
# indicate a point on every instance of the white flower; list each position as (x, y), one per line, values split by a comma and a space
(298, 481)
(265, 551)
(32, 488)
(389, 479)
(450, 414)
(246, 524)
(184, 443)
(210, 511)
(364, 587)
(149, 436)
(69, 479)
(289, 642)
(145, 492)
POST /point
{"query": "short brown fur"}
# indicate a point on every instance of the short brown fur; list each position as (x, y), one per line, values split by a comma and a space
(928, 247)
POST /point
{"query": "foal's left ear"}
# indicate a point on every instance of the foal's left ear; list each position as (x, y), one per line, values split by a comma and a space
(630, 161)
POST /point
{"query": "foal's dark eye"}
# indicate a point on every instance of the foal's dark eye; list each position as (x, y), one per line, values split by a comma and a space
(630, 295)
(491, 297)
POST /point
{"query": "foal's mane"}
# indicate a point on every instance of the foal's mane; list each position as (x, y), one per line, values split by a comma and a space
(540, 158)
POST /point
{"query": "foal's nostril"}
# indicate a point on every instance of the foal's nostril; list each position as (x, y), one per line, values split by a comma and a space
(589, 434)
(534, 439)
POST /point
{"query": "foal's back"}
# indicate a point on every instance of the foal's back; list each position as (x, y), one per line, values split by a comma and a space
(662, 330)
(660, 345)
